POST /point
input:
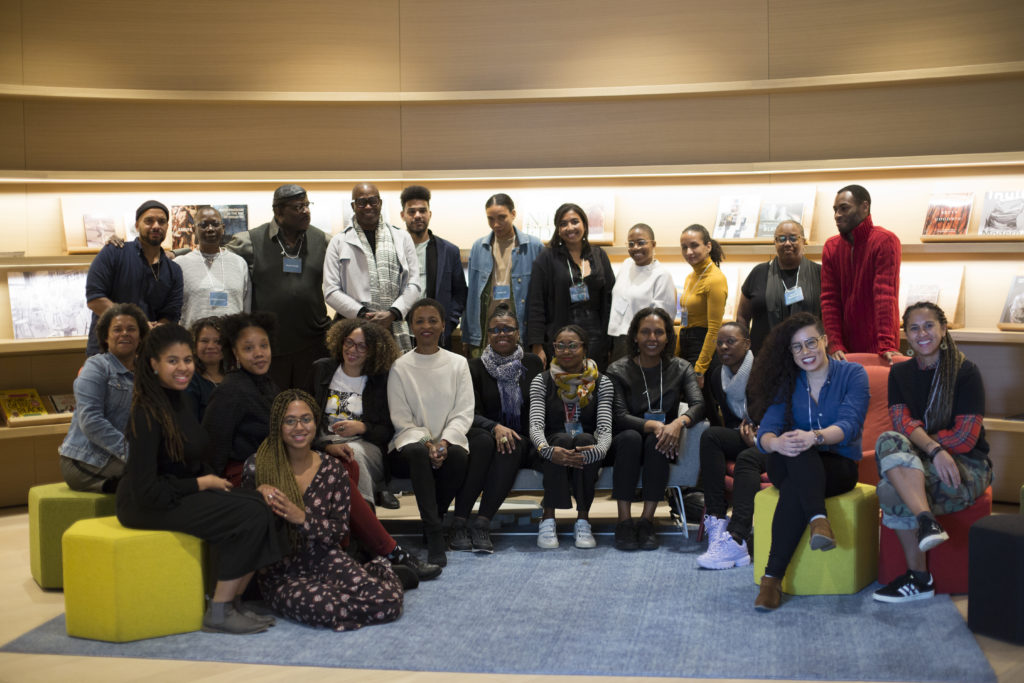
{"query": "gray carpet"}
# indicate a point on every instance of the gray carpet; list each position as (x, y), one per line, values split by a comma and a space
(600, 612)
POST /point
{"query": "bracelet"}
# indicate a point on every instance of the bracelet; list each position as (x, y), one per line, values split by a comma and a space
(933, 452)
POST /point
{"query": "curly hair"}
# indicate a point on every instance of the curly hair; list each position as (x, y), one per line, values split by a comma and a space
(105, 321)
(381, 349)
(670, 331)
(717, 254)
(773, 376)
(233, 325)
(149, 399)
(940, 395)
(214, 323)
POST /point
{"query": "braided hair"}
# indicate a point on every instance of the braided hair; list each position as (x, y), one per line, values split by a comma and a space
(940, 396)
(149, 399)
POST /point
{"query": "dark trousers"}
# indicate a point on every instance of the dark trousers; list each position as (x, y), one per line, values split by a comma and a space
(633, 453)
(434, 489)
(804, 482)
(691, 341)
(718, 446)
(561, 482)
(490, 474)
(295, 370)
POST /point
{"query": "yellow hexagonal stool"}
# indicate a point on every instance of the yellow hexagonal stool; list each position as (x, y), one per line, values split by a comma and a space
(52, 508)
(128, 584)
(848, 568)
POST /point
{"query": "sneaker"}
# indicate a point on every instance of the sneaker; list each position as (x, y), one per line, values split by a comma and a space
(645, 536)
(547, 537)
(424, 570)
(725, 553)
(480, 535)
(714, 527)
(906, 588)
(625, 535)
(584, 536)
(930, 534)
(460, 539)
(233, 622)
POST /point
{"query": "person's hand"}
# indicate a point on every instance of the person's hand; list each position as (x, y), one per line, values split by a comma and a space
(838, 355)
(283, 507)
(116, 241)
(438, 452)
(348, 428)
(341, 451)
(211, 482)
(668, 438)
(888, 355)
(945, 467)
(539, 350)
(382, 318)
(700, 381)
(505, 439)
(748, 432)
(793, 443)
(567, 458)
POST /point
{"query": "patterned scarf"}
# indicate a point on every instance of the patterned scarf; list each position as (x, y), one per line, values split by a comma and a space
(735, 386)
(575, 387)
(506, 370)
(385, 276)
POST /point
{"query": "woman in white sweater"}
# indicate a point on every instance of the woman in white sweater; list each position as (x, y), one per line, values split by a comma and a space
(430, 397)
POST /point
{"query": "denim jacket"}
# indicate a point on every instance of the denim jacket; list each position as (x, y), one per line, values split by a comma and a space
(481, 262)
(103, 401)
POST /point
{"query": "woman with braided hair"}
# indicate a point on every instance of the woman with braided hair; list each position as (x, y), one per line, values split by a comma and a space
(317, 583)
(935, 461)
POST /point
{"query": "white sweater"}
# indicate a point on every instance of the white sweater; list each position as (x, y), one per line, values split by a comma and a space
(430, 397)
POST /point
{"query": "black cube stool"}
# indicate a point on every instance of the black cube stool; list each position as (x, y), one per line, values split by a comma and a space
(995, 578)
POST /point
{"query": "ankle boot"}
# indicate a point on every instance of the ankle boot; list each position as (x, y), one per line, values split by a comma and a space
(770, 595)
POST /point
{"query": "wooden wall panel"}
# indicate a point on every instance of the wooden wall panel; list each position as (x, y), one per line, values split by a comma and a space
(207, 137)
(458, 45)
(819, 37)
(885, 122)
(528, 135)
(10, 41)
(228, 45)
(12, 134)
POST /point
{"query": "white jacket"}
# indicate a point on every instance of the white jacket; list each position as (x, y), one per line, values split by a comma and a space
(346, 273)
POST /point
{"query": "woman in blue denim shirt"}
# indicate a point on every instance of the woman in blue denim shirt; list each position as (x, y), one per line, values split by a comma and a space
(93, 455)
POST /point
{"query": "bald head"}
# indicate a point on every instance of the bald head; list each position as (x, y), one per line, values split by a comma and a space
(366, 205)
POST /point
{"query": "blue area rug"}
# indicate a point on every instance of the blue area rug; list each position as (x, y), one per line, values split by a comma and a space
(599, 612)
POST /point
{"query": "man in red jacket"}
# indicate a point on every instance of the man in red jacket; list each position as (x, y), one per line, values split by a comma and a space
(860, 281)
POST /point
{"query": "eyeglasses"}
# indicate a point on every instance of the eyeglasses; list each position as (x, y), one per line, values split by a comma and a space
(568, 346)
(637, 243)
(782, 239)
(809, 344)
(350, 345)
(292, 421)
(364, 202)
(299, 206)
(502, 330)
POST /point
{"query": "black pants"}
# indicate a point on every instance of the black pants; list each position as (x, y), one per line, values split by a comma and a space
(434, 489)
(719, 445)
(804, 482)
(633, 453)
(691, 341)
(490, 473)
(295, 370)
(560, 481)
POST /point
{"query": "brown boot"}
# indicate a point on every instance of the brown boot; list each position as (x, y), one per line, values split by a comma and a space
(770, 596)
(822, 537)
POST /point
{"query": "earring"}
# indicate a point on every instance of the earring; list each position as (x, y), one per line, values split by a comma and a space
(910, 353)
(943, 345)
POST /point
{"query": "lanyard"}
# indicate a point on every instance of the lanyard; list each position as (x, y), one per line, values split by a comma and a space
(796, 283)
(809, 423)
(647, 393)
(209, 268)
(572, 282)
(280, 243)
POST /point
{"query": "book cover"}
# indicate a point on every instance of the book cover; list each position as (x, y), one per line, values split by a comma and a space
(737, 217)
(99, 227)
(183, 223)
(48, 304)
(17, 403)
(948, 214)
(62, 403)
(1002, 214)
(1013, 310)
(775, 210)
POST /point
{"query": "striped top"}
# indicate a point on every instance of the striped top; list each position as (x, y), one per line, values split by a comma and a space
(546, 406)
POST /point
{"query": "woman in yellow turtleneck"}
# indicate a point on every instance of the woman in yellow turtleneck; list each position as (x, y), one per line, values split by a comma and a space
(703, 300)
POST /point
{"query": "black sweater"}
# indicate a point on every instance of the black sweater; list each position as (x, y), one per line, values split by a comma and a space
(238, 417)
(488, 400)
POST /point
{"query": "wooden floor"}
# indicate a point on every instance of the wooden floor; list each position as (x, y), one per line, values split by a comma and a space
(25, 606)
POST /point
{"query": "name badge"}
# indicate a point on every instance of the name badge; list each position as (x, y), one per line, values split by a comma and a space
(292, 264)
(794, 295)
(656, 415)
(501, 292)
(219, 299)
(579, 293)
(682, 318)
(573, 428)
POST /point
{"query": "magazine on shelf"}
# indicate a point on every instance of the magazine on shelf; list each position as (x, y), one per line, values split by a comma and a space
(737, 217)
(775, 210)
(1013, 310)
(948, 214)
(48, 304)
(62, 403)
(19, 403)
(100, 227)
(183, 223)
(1002, 214)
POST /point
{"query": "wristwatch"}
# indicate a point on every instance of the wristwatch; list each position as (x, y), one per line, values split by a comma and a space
(819, 438)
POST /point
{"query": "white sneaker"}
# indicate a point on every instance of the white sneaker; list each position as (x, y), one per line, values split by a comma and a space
(584, 536)
(725, 553)
(714, 527)
(547, 537)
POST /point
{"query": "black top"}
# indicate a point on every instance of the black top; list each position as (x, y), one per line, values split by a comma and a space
(549, 304)
(376, 415)
(238, 416)
(755, 289)
(724, 415)
(488, 401)
(679, 381)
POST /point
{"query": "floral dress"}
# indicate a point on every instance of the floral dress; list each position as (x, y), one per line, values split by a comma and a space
(319, 583)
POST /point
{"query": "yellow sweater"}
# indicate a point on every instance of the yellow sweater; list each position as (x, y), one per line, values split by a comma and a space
(703, 299)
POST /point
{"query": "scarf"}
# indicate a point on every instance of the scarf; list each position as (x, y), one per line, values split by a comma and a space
(735, 386)
(506, 370)
(575, 387)
(385, 275)
(775, 292)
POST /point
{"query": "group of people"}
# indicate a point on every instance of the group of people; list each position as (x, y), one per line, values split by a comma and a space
(272, 433)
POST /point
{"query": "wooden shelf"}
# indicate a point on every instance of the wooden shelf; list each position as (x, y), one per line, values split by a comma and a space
(58, 429)
(987, 336)
(41, 262)
(996, 424)
(49, 345)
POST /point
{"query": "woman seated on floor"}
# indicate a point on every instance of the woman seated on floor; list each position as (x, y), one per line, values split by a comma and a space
(936, 459)
(316, 583)
(656, 397)
(811, 411)
(732, 442)
(352, 386)
(571, 428)
(94, 452)
(210, 368)
(430, 396)
(498, 444)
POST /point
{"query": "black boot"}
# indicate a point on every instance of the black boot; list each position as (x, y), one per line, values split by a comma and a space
(424, 570)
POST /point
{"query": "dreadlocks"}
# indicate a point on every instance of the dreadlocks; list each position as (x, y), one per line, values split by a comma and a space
(940, 396)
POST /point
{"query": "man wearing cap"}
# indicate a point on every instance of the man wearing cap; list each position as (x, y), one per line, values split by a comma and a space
(286, 260)
(216, 281)
(140, 273)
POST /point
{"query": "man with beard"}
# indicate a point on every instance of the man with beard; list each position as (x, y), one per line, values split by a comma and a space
(371, 270)
(140, 273)
(441, 274)
(216, 280)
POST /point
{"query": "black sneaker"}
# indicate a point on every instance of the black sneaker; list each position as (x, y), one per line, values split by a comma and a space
(424, 570)
(930, 534)
(625, 535)
(906, 588)
(480, 536)
(460, 539)
(646, 539)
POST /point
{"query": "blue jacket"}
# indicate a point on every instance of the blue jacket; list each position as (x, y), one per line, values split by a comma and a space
(446, 281)
(103, 401)
(842, 401)
(481, 262)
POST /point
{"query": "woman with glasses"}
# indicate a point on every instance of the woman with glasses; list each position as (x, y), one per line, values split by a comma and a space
(316, 582)
(572, 283)
(352, 386)
(571, 428)
(656, 397)
(702, 303)
(641, 282)
(811, 412)
(789, 283)
(498, 443)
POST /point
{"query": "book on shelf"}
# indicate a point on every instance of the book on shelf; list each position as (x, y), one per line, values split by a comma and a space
(183, 222)
(100, 227)
(1002, 214)
(21, 403)
(737, 217)
(48, 304)
(948, 213)
(62, 403)
(775, 210)
(1013, 310)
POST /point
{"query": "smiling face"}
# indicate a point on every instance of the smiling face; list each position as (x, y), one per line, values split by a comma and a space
(366, 204)
(208, 347)
(732, 347)
(695, 249)
(174, 367)
(152, 227)
(570, 351)
(252, 350)
(924, 334)
(298, 426)
(353, 352)
(651, 337)
(806, 358)
(210, 228)
(123, 337)
(427, 326)
(506, 339)
(570, 229)
(640, 245)
(789, 244)
(848, 212)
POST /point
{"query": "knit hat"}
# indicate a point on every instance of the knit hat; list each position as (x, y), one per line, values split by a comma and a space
(151, 204)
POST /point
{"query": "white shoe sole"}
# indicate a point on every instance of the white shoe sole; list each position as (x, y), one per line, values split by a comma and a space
(585, 543)
(904, 598)
(932, 541)
(547, 543)
(723, 564)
